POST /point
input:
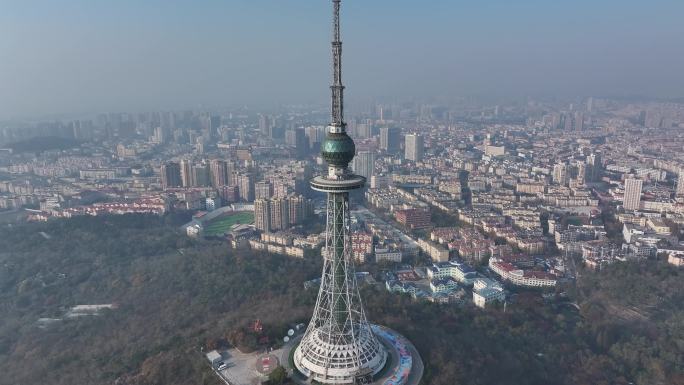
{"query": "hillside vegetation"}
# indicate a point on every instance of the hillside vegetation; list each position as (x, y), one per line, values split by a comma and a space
(175, 296)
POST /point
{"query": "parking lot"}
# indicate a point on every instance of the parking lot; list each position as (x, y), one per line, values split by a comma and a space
(241, 367)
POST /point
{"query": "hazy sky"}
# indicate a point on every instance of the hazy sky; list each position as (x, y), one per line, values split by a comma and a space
(80, 56)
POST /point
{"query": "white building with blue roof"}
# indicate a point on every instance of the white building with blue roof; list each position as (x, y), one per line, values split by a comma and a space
(457, 270)
(443, 285)
(486, 290)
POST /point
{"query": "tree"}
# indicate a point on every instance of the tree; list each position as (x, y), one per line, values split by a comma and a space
(278, 376)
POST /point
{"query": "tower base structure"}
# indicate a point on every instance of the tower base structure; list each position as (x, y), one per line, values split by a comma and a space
(329, 362)
(403, 364)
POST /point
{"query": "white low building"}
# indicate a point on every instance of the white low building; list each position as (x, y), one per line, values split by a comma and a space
(388, 255)
(676, 259)
(520, 277)
(443, 285)
(459, 271)
(486, 291)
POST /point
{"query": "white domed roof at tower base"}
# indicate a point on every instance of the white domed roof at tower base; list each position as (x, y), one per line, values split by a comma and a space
(335, 363)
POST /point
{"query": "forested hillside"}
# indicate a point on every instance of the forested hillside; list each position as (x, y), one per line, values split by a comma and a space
(629, 329)
(175, 295)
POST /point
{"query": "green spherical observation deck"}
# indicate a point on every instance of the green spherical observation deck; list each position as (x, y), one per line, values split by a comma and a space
(338, 149)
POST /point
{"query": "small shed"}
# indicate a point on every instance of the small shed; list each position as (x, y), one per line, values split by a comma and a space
(214, 358)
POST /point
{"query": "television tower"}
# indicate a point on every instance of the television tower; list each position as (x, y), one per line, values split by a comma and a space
(339, 346)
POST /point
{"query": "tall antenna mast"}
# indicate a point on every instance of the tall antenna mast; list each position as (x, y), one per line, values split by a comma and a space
(337, 124)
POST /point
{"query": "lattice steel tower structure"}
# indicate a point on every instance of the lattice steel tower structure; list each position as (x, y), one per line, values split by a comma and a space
(339, 346)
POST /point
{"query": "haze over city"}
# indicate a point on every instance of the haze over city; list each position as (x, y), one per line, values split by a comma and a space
(341, 192)
(82, 57)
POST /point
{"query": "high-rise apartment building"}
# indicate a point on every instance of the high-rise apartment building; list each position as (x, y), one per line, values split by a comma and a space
(581, 168)
(301, 209)
(632, 197)
(595, 166)
(246, 187)
(229, 194)
(568, 122)
(264, 124)
(201, 175)
(187, 177)
(263, 190)
(560, 174)
(363, 129)
(364, 164)
(171, 175)
(297, 139)
(414, 147)
(262, 215)
(579, 121)
(680, 183)
(390, 139)
(281, 189)
(316, 135)
(160, 135)
(280, 214)
(219, 173)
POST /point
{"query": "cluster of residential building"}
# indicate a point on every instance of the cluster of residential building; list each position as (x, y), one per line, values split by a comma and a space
(145, 205)
(375, 240)
(446, 283)
(516, 191)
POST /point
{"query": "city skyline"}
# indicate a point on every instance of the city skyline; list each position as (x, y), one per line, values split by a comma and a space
(190, 194)
(77, 57)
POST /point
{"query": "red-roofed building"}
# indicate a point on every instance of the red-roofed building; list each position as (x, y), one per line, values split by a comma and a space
(413, 218)
(519, 277)
(362, 246)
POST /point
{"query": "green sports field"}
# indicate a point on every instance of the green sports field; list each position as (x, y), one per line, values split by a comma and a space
(222, 224)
